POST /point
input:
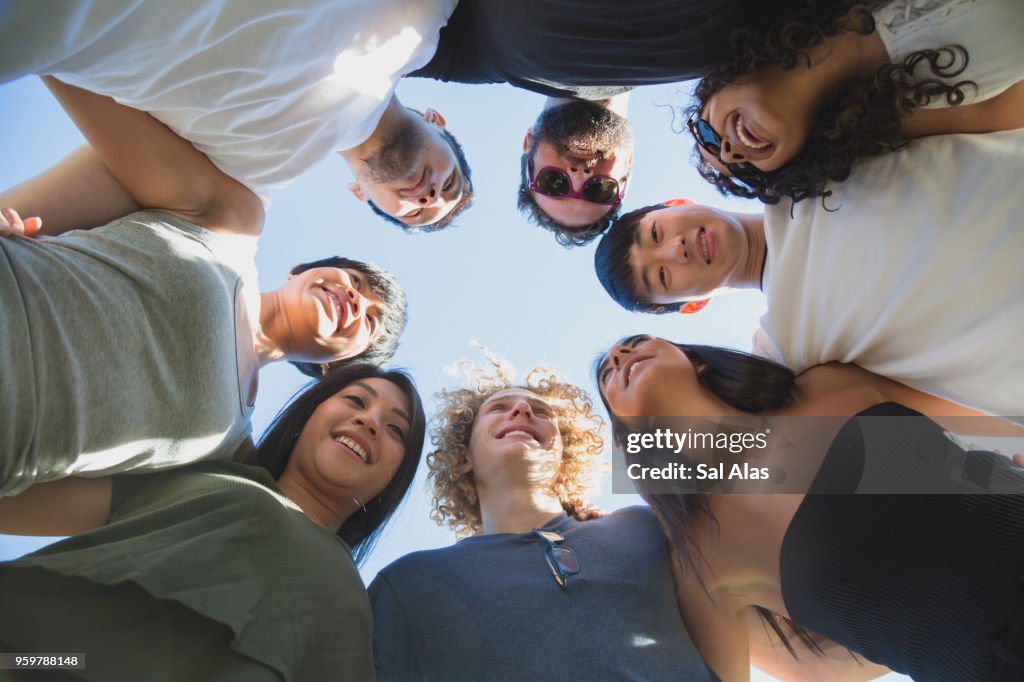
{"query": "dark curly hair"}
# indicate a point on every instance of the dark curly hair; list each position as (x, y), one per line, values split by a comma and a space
(861, 117)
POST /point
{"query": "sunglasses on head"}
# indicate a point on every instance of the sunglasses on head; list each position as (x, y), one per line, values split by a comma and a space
(555, 182)
(711, 142)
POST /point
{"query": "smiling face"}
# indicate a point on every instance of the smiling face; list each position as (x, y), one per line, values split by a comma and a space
(331, 314)
(686, 252)
(760, 121)
(644, 376)
(353, 443)
(414, 176)
(515, 427)
(582, 139)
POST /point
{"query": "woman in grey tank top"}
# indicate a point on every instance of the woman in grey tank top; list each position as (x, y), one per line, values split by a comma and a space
(170, 297)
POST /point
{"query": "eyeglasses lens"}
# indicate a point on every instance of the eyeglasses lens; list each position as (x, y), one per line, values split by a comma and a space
(706, 136)
(601, 190)
(566, 560)
(553, 183)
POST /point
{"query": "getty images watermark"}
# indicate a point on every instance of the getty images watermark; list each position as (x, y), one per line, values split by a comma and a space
(905, 454)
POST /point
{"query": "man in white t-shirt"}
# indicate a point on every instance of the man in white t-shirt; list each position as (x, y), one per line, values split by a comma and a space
(911, 269)
(265, 89)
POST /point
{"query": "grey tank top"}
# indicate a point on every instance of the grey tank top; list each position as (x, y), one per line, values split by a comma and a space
(126, 347)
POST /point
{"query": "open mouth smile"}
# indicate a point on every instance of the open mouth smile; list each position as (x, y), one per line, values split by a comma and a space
(520, 430)
(747, 137)
(340, 309)
(357, 449)
(706, 244)
(632, 365)
(418, 188)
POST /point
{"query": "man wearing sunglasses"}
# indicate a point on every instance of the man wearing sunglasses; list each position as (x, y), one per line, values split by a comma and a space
(910, 268)
(575, 167)
(531, 593)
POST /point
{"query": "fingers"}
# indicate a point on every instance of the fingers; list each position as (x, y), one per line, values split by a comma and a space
(584, 511)
(11, 224)
(33, 225)
(1018, 459)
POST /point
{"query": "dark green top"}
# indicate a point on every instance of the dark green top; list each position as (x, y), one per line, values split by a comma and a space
(203, 572)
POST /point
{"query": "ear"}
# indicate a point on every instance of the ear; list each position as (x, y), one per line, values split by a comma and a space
(694, 306)
(432, 116)
(678, 202)
(528, 140)
(357, 191)
(465, 467)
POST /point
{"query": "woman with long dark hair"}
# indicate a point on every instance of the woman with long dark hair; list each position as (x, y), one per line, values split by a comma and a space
(809, 90)
(224, 570)
(927, 584)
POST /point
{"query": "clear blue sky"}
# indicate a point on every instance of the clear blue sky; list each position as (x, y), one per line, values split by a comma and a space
(493, 278)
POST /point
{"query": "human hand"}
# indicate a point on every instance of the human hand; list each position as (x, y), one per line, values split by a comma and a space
(11, 224)
(584, 511)
(1017, 458)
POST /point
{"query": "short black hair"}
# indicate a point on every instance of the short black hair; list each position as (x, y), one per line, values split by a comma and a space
(393, 312)
(361, 531)
(565, 235)
(611, 262)
(464, 202)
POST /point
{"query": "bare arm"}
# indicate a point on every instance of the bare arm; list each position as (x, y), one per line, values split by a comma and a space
(1005, 111)
(65, 507)
(834, 662)
(79, 192)
(949, 415)
(156, 167)
(835, 377)
(716, 624)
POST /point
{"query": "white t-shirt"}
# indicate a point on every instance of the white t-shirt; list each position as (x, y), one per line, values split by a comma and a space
(992, 31)
(265, 88)
(919, 276)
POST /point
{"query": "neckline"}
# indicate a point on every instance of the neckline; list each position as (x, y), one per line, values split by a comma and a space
(554, 522)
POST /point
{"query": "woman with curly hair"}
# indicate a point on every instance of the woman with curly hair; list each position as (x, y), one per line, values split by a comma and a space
(222, 570)
(808, 93)
(927, 584)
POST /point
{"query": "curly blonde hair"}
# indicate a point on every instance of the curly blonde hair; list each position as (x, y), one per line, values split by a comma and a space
(455, 501)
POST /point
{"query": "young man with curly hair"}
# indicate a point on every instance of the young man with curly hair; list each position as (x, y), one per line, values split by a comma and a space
(512, 600)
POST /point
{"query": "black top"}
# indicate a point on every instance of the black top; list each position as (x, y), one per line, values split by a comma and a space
(925, 584)
(591, 49)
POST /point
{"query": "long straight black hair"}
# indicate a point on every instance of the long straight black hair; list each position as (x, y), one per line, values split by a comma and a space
(361, 531)
(743, 381)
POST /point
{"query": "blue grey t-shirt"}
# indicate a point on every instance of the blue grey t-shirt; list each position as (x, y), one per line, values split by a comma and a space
(488, 608)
